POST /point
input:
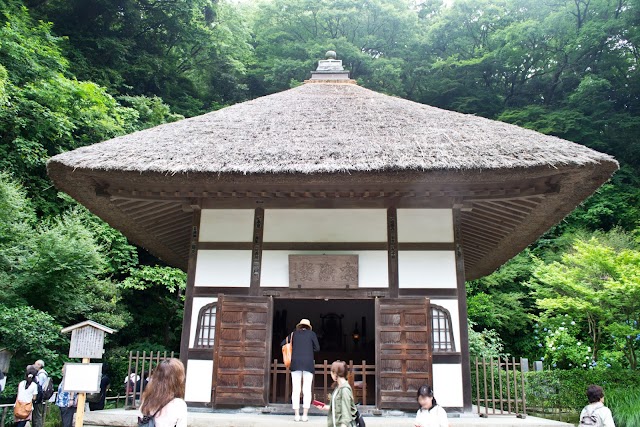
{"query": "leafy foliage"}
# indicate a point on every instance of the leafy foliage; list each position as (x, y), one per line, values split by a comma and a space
(595, 284)
(77, 72)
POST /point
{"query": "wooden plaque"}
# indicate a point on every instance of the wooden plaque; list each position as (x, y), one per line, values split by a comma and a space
(87, 342)
(323, 271)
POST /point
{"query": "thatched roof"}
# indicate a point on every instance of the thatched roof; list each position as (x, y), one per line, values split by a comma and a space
(328, 128)
(322, 138)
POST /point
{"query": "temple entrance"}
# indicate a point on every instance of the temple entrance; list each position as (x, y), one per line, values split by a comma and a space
(345, 330)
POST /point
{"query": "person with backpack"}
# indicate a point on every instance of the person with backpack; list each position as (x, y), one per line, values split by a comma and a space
(163, 402)
(27, 393)
(44, 387)
(595, 413)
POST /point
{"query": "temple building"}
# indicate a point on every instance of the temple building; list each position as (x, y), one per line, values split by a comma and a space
(362, 212)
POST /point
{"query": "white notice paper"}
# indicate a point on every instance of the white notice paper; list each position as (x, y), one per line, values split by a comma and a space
(82, 377)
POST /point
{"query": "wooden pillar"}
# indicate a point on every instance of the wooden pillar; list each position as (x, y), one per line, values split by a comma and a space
(191, 278)
(256, 251)
(82, 398)
(462, 312)
(392, 251)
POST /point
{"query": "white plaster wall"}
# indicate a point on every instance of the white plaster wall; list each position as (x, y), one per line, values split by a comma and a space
(226, 225)
(452, 306)
(199, 378)
(447, 385)
(198, 303)
(425, 225)
(427, 269)
(223, 268)
(325, 225)
(372, 267)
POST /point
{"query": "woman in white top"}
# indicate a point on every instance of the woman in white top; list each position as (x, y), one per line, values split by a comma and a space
(595, 410)
(430, 413)
(163, 397)
(27, 392)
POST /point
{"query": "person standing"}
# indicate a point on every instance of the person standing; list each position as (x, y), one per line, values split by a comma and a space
(67, 402)
(39, 406)
(163, 396)
(305, 343)
(104, 384)
(430, 413)
(27, 393)
(595, 413)
(342, 408)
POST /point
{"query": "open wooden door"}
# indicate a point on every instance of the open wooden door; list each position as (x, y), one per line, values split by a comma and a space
(242, 350)
(403, 353)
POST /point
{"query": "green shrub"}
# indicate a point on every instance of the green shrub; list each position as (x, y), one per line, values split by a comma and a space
(564, 390)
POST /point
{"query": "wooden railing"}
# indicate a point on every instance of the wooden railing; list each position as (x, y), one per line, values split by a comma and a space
(500, 386)
(7, 408)
(140, 366)
(361, 379)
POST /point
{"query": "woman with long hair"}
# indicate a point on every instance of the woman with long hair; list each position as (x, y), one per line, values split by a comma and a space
(163, 397)
(27, 393)
(305, 343)
(342, 408)
(430, 413)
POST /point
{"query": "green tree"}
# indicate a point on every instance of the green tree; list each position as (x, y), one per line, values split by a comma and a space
(175, 50)
(595, 284)
(157, 316)
(370, 38)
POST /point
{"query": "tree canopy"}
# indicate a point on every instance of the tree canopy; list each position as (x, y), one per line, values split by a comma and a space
(76, 72)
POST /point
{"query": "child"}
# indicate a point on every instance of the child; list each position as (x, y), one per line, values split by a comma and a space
(430, 413)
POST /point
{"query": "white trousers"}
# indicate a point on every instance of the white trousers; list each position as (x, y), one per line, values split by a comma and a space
(306, 378)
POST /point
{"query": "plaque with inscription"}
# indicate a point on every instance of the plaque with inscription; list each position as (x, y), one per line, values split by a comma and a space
(87, 342)
(323, 271)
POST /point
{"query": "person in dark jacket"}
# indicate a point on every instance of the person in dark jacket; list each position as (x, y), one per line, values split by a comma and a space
(305, 343)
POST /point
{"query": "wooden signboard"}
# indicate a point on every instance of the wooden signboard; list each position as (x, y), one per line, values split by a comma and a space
(86, 342)
(323, 271)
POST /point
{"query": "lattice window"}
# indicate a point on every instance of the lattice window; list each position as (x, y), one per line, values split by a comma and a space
(205, 331)
(442, 332)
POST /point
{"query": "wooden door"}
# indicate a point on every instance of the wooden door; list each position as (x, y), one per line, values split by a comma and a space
(403, 351)
(242, 350)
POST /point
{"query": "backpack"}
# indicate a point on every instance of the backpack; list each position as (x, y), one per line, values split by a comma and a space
(590, 419)
(47, 389)
(359, 419)
(44, 392)
(147, 421)
(94, 397)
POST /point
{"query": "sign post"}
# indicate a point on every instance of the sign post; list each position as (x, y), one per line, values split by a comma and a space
(87, 341)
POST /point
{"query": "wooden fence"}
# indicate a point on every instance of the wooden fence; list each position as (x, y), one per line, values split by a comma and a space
(499, 386)
(140, 367)
(361, 379)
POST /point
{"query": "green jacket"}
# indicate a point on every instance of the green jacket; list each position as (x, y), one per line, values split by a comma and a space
(343, 405)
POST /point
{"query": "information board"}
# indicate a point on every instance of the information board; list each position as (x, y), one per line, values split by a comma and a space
(82, 377)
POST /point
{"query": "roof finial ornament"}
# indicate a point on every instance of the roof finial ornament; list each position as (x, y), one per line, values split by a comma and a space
(330, 70)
